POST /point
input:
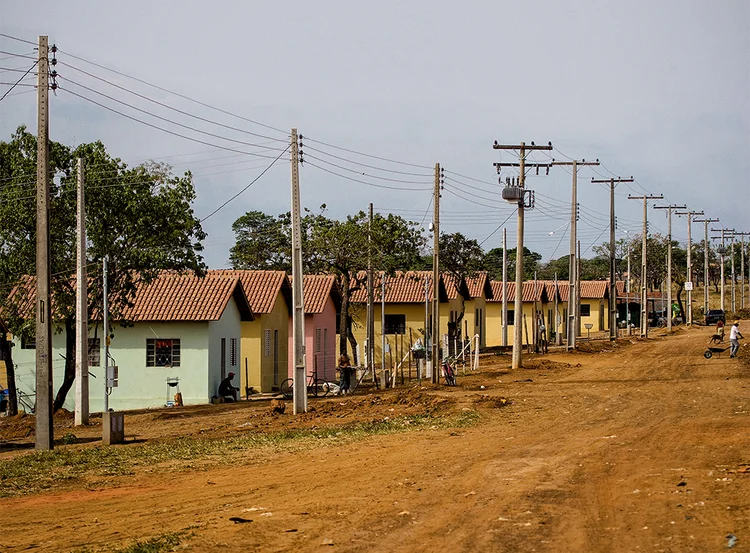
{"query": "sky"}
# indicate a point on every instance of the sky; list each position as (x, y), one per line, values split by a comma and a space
(382, 91)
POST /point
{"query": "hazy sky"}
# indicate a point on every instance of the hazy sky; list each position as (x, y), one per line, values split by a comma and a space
(655, 89)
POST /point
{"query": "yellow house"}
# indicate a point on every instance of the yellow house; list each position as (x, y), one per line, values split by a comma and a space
(405, 312)
(594, 304)
(475, 308)
(531, 295)
(264, 341)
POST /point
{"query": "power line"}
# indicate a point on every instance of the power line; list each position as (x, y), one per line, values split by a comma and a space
(248, 186)
(361, 173)
(366, 155)
(144, 97)
(18, 39)
(16, 55)
(323, 152)
(364, 182)
(498, 228)
(285, 133)
(19, 80)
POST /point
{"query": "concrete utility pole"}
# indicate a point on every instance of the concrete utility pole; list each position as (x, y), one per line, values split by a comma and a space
(370, 302)
(612, 257)
(82, 315)
(706, 247)
(627, 291)
(731, 257)
(519, 196)
(44, 431)
(105, 324)
(382, 331)
(572, 324)
(505, 289)
(298, 316)
(742, 268)
(669, 209)
(436, 278)
(722, 253)
(644, 265)
(689, 270)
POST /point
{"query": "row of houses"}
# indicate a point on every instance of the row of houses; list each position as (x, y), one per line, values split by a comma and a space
(187, 333)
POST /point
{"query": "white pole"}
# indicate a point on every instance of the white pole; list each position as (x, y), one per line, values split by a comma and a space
(106, 335)
(82, 318)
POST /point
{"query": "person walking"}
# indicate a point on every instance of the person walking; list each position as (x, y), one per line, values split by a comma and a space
(734, 336)
(345, 372)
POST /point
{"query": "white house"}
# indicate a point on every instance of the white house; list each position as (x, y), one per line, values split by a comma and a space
(185, 331)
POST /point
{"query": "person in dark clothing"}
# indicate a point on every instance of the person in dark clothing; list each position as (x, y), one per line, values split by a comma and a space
(226, 390)
(345, 370)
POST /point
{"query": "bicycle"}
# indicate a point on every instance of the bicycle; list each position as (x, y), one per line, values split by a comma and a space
(26, 402)
(316, 387)
(448, 373)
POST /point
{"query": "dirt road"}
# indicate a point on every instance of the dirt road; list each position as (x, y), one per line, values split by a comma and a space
(642, 448)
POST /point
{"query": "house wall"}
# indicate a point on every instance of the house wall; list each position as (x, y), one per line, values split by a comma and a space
(263, 373)
(139, 386)
(494, 322)
(228, 328)
(321, 355)
(597, 306)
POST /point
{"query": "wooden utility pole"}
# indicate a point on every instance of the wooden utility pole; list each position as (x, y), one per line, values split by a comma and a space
(382, 330)
(520, 198)
(505, 289)
(689, 269)
(612, 256)
(669, 209)
(435, 350)
(298, 316)
(44, 431)
(370, 302)
(644, 259)
(82, 316)
(705, 222)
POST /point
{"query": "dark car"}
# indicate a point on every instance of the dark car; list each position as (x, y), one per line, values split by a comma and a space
(713, 316)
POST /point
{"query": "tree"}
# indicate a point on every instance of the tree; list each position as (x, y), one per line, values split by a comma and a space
(261, 243)
(140, 218)
(493, 263)
(461, 258)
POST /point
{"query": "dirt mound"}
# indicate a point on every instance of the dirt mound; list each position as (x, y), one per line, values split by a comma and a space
(545, 364)
(493, 401)
(601, 346)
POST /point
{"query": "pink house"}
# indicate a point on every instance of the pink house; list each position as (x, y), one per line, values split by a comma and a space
(322, 303)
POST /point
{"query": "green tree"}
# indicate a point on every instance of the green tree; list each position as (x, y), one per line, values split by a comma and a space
(493, 263)
(140, 218)
(261, 243)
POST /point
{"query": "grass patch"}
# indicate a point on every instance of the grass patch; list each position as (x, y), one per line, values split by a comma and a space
(158, 544)
(44, 470)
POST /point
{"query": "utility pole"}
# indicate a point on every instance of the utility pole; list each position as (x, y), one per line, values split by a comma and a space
(742, 268)
(669, 209)
(731, 257)
(689, 270)
(382, 331)
(517, 194)
(436, 278)
(722, 252)
(706, 246)
(105, 324)
(612, 257)
(370, 302)
(627, 291)
(505, 289)
(82, 316)
(644, 265)
(573, 300)
(44, 431)
(298, 316)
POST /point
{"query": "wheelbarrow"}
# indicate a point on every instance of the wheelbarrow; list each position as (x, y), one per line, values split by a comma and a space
(709, 353)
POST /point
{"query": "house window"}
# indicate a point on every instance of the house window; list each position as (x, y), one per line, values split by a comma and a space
(395, 324)
(162, 352)
(585, 310)
(223, 358)
(28, 342)
(94, 352)
(233, 352)
(267, 342)
(317, 340)
(511, 317)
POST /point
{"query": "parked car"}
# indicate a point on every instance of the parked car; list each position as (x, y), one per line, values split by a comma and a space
(713, 316)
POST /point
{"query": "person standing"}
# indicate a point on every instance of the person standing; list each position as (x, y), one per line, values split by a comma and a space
(734, 336)
(720, 329)
(345, 372)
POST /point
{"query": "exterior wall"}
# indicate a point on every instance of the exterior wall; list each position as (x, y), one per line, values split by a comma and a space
(414, 321)
(263, 373)
(321, 355)
(139, 386)
(598, 306)
(228, 328)
(494, 323)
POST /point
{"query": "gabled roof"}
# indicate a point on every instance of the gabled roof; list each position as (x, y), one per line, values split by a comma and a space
(401, 287)
(478, 284)
(187, 297)
(594, 289)
(455, 287)
(261, 287)
(317, 289)
(529, 292)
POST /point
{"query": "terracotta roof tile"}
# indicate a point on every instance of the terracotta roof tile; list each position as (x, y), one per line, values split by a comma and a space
(261, 287)
(316, 291)
(479, 284)
(529, 293)
(595, 289)
(401, 287)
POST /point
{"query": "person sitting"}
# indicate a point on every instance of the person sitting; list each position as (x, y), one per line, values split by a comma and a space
(226, 390)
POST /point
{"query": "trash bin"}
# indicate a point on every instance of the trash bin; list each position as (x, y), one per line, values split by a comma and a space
(113, 428)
